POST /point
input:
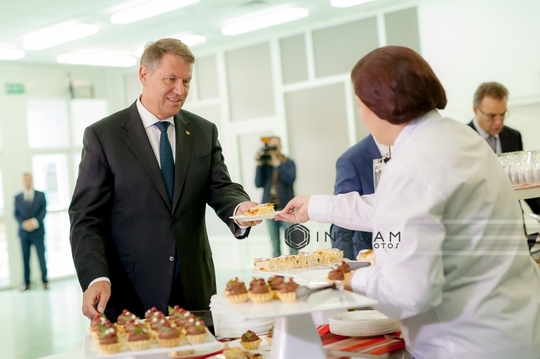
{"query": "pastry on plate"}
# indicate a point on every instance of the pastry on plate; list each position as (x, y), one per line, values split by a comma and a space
(236, 291)
(269, 335)
(259, 292)
(250, 340)
(366, 255)
(264, 208)
(287, 291)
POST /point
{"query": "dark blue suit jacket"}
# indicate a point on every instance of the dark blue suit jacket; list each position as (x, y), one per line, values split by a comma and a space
(354, 172)
(37, 210)
(286, 177)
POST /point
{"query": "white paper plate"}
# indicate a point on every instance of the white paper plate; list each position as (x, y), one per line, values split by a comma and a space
(362, 323)
(264, 346)
(199, 353)
(314, 278)
(255, 218)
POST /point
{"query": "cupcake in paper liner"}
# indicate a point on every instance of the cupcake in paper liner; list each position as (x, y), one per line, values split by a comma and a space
(138, 337)
(259, 292)
(269, 335)
(236, 291)
(196, 331)
(108, 341)
(275, 282)
(168, 335)
(250, 340)
(97, 322)
(287, 291)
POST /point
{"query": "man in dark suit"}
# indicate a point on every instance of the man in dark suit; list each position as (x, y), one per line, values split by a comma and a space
(354, 172)
(490, 111)
(276, 174)
(30, 210)
(138, 232)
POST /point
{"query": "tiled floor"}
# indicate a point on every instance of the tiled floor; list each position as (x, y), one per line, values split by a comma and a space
(38, 323)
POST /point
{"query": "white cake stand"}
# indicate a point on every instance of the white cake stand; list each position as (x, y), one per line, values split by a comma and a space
(295, 335)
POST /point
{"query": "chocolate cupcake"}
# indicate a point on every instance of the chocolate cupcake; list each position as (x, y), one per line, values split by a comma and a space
(287, 291)
(196, 331)
(138, 337)
(259, 292)
(108, 341)
(269, 335)
(236, 291)
(250, 340)
(168, 335)
(275, 282)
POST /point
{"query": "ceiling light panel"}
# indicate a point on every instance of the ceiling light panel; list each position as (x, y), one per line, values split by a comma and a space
(347, 3)
(11, 54)
(97, 59)
(61, 36)
(262, 20)
(149, 9)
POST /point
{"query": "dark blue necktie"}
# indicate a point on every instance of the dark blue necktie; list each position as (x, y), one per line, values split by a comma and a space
(166, 157)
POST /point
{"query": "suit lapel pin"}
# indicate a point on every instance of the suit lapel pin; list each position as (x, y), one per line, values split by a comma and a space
(187, 133)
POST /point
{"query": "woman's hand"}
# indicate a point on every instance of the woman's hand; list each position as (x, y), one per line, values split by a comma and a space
(295, 211)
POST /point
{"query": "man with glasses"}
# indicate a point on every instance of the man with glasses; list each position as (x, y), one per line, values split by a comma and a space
(490, 111)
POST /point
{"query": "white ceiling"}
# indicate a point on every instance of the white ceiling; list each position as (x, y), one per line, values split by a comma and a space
(19, 18)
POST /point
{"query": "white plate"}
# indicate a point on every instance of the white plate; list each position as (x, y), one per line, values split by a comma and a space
(199, 353)
(264, 346)
(320, 301)
(92, 351)
(362, 323)
(255, 218)
(313, 278)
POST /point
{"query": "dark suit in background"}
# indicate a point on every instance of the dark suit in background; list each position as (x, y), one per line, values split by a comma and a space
(24, 211)
(354, 173)
(510, 142)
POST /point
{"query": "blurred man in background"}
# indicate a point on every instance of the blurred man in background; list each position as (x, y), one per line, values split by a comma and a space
(30, 210)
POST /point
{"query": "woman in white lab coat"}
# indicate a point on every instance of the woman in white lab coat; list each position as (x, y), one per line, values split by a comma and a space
(452, 261)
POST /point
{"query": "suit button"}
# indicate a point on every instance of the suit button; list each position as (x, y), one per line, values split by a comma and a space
(174, 221)
(171, 258)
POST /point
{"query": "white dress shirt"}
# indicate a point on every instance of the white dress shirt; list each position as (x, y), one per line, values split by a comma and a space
(452, 260)
(154, 133)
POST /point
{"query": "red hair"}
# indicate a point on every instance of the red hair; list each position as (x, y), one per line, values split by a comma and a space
(397, 84)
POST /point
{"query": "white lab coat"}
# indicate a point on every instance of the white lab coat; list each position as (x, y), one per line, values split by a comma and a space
(455, 267)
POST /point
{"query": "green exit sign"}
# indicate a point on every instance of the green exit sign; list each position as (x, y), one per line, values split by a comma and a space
(14, 89)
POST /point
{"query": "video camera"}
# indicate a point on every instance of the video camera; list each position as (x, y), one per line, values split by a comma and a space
(264, 153)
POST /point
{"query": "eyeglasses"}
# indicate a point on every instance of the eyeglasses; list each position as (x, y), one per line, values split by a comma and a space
(493, 116)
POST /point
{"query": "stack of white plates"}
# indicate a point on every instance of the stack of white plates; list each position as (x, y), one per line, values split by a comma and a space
(362, 323)
(227, 324)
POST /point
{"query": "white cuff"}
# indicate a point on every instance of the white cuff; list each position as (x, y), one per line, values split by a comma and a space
(243, 228)
(317, 208)
(100, 279)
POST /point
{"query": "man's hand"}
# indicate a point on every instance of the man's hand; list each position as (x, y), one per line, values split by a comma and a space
(244, 206)
(296, 211)
(96, 296)
(28, 225)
